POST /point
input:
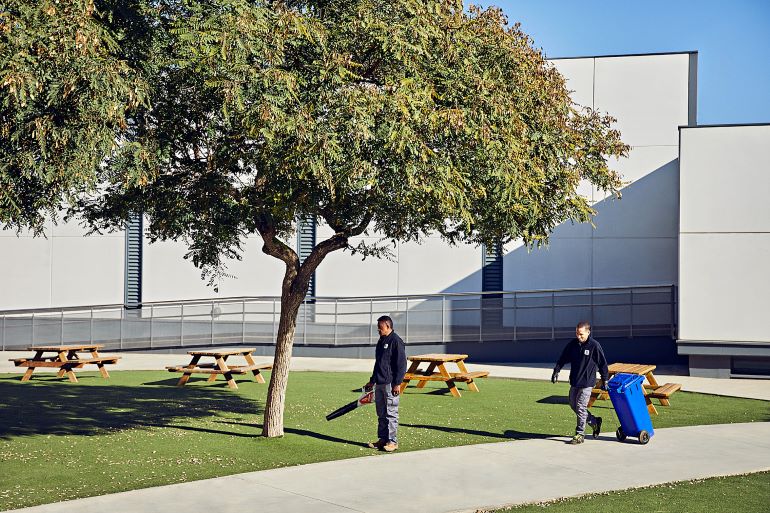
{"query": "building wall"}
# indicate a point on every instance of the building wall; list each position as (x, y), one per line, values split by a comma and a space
(724, 234)
(634, 243)
(64, 268)
(635, 239)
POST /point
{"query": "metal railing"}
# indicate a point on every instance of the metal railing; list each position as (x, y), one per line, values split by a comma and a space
(350, 321)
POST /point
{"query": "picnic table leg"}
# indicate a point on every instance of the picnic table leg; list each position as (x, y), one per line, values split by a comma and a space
(464, 370)
(412, 369)
(449, 381)
(226, 372)
(257, 375)
(653, 385)
(64, 357)
(28, 373)
(213, 377)
(428, 372)
(102, 368)
(186, 376)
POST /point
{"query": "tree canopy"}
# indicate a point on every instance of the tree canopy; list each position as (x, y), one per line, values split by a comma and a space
(395, 117)
(65, 90)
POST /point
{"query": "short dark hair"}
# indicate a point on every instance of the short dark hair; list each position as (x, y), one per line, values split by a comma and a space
(387, 320)
(584, 324)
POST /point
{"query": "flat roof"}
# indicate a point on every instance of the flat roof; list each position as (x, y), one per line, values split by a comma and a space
(622, 55)
(725, 125)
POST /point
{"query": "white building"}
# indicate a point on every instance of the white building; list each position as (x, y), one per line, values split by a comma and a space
(672, 227)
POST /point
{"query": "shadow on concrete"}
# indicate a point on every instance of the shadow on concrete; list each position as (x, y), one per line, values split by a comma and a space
(46, 406)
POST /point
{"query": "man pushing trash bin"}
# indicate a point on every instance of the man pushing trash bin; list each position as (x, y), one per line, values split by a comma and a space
(585, 356)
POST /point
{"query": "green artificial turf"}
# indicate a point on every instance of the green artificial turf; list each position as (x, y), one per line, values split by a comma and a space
(735, 494)
(137, 429)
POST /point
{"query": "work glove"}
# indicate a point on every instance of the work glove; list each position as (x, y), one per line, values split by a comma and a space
(369, 386)
(555, 376)
(603, 385)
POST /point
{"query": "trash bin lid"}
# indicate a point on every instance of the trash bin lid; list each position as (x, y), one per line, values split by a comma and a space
(621, 381)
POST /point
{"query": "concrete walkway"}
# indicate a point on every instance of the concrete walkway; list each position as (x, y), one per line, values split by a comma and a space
(457, 479)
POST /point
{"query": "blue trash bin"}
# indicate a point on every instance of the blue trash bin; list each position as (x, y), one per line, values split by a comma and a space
(627, 396)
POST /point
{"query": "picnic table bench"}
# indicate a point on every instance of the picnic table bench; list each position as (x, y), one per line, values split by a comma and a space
(220, 366)
(652, 390)
(437, 371)
(65, 358)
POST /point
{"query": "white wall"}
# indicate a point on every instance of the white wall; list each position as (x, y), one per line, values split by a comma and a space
(635, 239)
(64, 268)
(724, 237)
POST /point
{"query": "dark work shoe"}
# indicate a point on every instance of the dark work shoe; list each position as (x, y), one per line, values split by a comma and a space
(577, 439)
(379, 444)
(597, 427)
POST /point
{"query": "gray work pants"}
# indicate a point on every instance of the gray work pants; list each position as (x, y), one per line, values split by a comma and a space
(387, 413)
(578, 401)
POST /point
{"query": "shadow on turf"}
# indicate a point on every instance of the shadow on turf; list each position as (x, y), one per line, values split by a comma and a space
(289, 430)
(47, 406)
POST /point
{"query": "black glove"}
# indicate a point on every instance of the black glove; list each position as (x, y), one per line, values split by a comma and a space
(555, 376)
(369, 386)
(603, 385)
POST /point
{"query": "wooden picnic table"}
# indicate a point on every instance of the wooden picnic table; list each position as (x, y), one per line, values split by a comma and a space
(437, 371)
(652, 390)
(220, 366)
(65, 358)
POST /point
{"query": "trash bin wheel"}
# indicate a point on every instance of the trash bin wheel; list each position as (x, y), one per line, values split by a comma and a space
(620, 434)
(644, 437)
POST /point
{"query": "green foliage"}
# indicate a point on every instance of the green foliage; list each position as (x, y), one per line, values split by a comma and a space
(393, 117)
(64, 95)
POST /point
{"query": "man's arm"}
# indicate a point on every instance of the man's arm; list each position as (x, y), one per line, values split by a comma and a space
(601, 362)
(398, 364)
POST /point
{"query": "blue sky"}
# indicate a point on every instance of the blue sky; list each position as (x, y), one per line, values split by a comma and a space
(732, 38)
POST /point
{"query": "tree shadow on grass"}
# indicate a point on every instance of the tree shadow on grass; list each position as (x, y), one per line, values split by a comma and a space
(48, 407)
(220, 382)
(508, 434)
(297, 431)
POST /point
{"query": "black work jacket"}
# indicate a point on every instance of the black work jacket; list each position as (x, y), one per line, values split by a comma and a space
(585, 360)
(390, 361)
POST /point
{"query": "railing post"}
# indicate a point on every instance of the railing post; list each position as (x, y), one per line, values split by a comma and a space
(211, 340)
(304, 321)
(371, 319)
(407, 320)
(243, 322)
(631, 315)
(120, 341)
(443, 319)
(515, 317)
(181, 326)
(336, 304)
(61, 328)
(673, 311)
(553, 315)
(481, 314)
(91, 327)
(3, 333)
(152, 321)
(32, 329)
(275, 329)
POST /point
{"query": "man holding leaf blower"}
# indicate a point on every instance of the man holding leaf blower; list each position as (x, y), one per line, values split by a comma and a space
(389, 370)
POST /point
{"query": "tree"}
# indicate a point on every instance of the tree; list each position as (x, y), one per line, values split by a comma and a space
(64, 95)
(400, 117)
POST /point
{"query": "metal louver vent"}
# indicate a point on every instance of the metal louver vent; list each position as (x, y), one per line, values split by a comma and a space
(492, 268)
(306, 237)
(133, 271)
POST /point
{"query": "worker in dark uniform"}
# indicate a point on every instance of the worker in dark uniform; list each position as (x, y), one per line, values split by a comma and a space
(585, 356)
(389, 370)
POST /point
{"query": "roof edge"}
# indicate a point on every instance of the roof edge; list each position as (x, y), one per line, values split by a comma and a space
(684, 52)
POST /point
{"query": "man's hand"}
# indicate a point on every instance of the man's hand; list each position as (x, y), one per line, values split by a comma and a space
(603, 385)
(396, 390)
(555, 376)
(369, 386)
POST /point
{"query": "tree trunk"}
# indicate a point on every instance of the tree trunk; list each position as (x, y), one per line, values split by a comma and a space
(279, 378)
